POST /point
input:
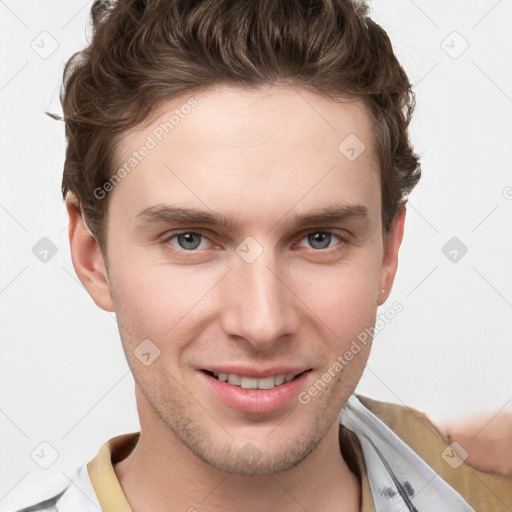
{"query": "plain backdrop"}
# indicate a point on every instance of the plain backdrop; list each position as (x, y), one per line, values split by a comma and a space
(64, 380)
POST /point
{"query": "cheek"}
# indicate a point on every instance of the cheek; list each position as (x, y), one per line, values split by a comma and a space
(156, 300)
(347, 307)
(344, 296)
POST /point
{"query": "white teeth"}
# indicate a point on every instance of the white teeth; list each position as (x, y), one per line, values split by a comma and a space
(249, 383)
(266, 383)
(279, 379)
(234, 379)
(252, 383)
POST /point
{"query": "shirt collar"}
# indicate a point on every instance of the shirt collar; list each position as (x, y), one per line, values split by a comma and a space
(103, 477)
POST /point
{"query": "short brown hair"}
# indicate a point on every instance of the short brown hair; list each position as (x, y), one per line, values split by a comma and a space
(145, 52)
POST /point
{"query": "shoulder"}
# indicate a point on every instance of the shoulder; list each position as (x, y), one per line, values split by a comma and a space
(405, 421)
(448, 459)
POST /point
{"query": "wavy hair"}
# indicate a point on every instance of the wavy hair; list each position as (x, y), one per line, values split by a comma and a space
(145, 52)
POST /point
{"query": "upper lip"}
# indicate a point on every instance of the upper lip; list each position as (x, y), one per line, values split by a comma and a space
(254, 372)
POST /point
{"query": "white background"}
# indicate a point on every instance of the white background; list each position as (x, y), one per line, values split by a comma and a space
(63, 375)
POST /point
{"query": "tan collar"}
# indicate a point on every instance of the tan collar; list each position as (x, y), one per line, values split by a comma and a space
(112, 499)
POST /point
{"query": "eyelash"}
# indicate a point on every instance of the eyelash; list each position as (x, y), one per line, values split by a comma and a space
(167, 239)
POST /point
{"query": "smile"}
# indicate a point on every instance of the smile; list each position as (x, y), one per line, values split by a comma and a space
(255, 394)
(252, 383)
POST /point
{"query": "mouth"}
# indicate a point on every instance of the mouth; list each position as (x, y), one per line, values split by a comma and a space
(256, 391)
(246, 382)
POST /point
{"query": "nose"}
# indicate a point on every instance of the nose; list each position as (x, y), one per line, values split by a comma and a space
(258, 302)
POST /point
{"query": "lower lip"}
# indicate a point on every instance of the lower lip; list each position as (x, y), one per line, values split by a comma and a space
(256, 400)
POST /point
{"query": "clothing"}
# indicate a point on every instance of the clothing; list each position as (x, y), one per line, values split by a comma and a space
(396, 452)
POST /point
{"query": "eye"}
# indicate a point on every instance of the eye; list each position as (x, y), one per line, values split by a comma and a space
(320, 240)
(188, 240)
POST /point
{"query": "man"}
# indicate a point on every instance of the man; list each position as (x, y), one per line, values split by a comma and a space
(236, 178)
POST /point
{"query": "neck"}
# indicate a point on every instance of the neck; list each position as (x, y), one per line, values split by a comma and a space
(161, 472)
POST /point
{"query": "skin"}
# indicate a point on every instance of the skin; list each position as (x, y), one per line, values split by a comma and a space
(260, 157)
(486, 439)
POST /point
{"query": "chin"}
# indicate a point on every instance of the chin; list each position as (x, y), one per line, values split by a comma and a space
(249, 460)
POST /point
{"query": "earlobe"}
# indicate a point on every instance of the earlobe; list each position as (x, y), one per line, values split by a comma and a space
(390, 258)
(87, 259)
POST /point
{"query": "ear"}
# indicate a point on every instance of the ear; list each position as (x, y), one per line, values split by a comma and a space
(87, 259)
(390, 258)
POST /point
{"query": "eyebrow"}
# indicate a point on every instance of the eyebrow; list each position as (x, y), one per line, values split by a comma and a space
(181, 215)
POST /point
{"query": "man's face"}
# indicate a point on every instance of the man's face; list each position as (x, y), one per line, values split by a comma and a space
(261, 297)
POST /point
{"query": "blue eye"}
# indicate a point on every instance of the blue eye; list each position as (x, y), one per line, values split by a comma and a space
(188, 241)
(320, 240)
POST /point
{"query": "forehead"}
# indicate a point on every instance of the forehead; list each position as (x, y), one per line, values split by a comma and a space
(254, 116)
(229, 142)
